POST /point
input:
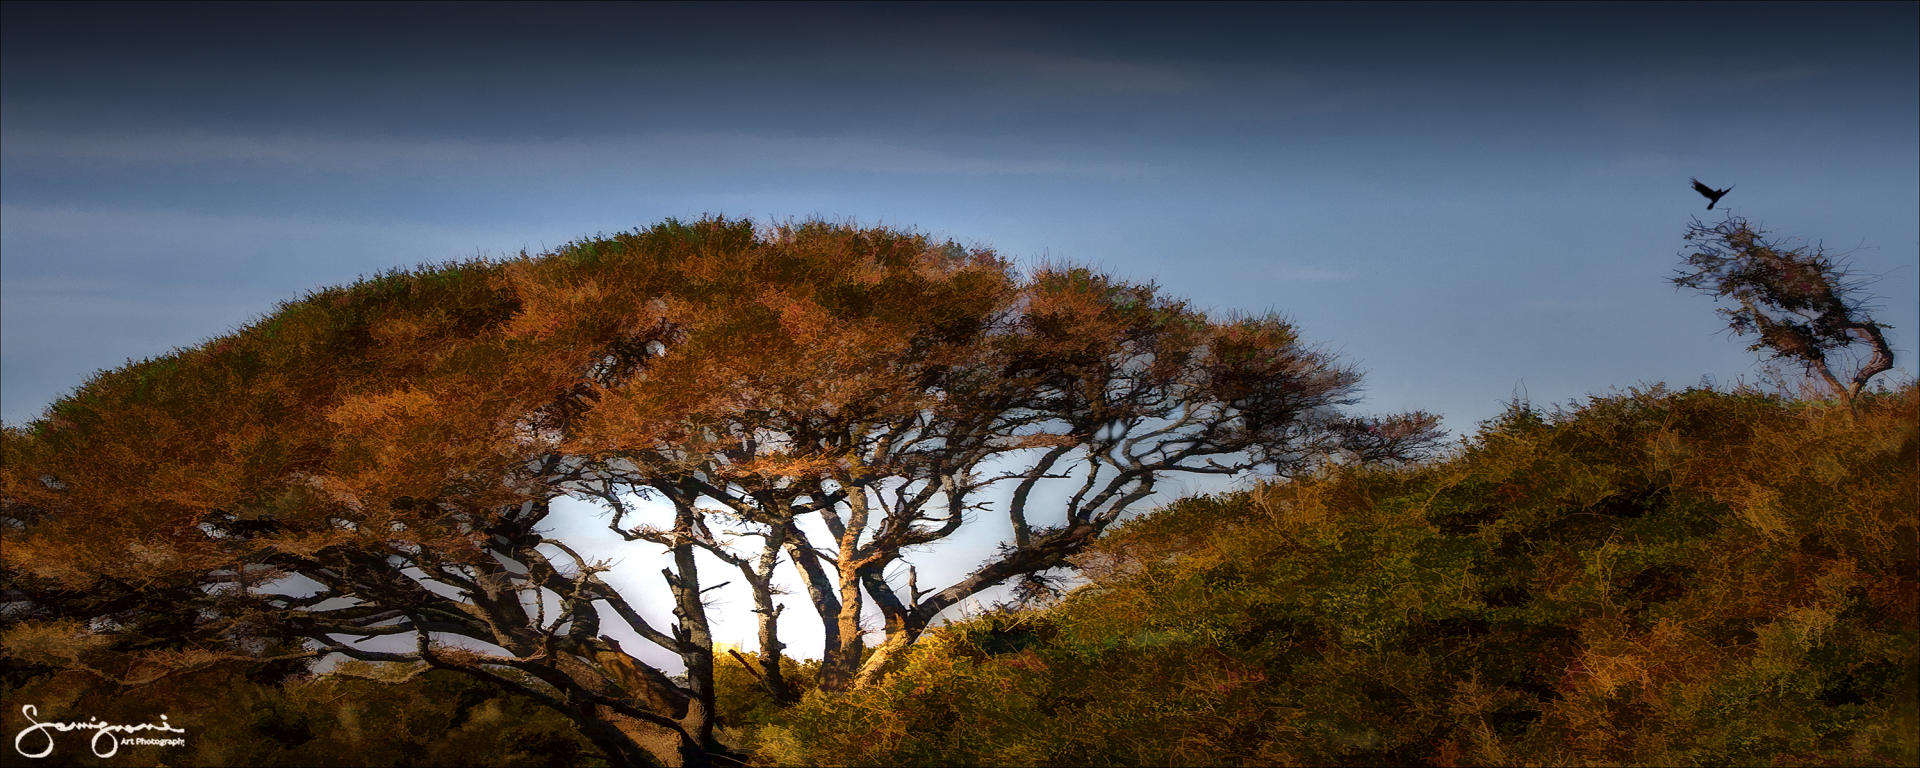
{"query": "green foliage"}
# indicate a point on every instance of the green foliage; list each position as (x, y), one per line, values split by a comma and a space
(1653, 578)
(743, 703)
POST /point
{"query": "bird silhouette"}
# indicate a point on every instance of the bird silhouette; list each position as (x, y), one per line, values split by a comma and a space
(1712, 195)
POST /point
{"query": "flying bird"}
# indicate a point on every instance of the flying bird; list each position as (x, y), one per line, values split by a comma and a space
(1712, 195)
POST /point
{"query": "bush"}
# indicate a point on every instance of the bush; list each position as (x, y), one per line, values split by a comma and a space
(438, 718)
(1655, 577)
(743, 702)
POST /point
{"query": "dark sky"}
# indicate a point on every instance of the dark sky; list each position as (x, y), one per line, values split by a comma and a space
(1462, 198)
(1468, 202)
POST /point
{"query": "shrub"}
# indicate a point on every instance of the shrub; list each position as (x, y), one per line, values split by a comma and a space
(437, 718)
(1654, 577)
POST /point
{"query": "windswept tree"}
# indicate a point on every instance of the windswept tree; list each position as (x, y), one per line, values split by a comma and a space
(1800, 303)
(381, 460)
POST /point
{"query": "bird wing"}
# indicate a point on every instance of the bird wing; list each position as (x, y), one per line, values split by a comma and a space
(1702, 188)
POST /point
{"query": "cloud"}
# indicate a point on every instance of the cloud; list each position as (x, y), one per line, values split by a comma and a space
(170, 227)
(277, 254)
(88, 288)
(1791, 73)
(55, 332)
(656, 152)
(1082, 74)
(1634, 164)
(1306, 273)
(1696, 78)
(181, 227)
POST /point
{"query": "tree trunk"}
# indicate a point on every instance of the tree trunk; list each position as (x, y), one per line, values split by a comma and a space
(841, 661)
(760, 579)
(821, 589)
(693, 633)
(887, 653)
(770, 645)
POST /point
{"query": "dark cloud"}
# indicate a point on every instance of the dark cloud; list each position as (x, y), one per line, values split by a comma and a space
(498, 68)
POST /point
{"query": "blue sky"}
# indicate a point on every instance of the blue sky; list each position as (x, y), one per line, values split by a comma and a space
(1464, 201)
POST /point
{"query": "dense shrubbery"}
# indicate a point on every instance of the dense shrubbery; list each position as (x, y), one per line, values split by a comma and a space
(437, 718)
(1652, 578)
(1655, 578)
(744, 700)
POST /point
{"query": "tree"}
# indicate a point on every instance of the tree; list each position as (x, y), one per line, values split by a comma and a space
(1799, 301)
(378, 460)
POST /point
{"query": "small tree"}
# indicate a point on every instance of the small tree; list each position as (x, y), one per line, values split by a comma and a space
(1798, 300)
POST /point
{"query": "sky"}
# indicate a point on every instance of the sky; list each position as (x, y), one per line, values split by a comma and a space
(1468, 203)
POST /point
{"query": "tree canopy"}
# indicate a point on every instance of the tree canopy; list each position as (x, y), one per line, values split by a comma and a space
(381, 459)
(1798, 302)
